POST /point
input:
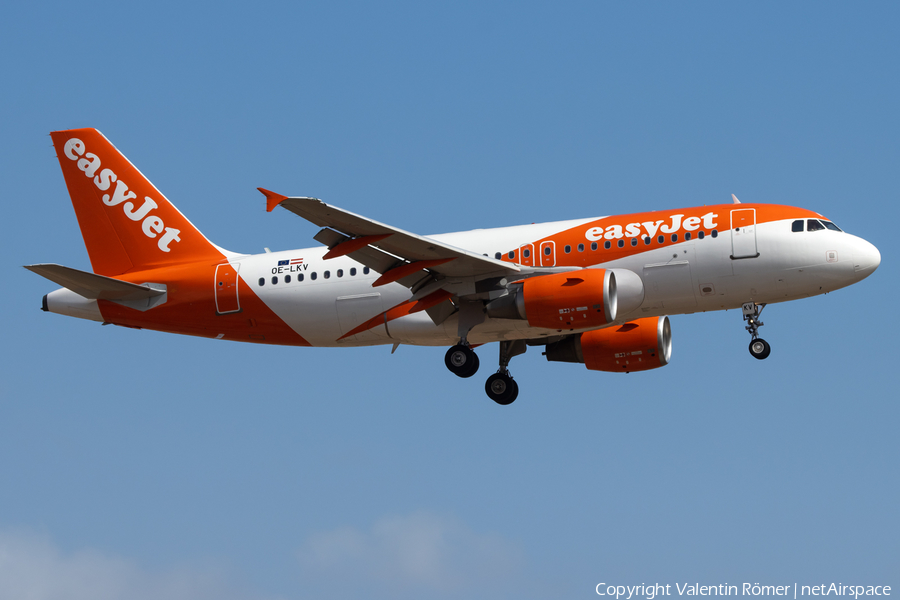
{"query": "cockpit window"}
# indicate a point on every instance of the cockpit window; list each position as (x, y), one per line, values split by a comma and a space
(814, 225)
(797, 225)
(831, 226)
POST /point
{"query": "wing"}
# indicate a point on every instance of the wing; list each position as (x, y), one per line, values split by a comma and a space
(398, 255)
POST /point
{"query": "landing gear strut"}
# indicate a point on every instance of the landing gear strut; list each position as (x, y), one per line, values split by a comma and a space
(501, 387)
(460, 359)
(759, 348)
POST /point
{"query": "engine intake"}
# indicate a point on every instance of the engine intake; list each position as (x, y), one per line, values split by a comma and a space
(638, 345)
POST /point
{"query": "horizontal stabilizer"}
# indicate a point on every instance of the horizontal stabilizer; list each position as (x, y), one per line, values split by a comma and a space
(96, 287)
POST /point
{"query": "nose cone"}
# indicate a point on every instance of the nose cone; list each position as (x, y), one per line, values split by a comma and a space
(866, 258)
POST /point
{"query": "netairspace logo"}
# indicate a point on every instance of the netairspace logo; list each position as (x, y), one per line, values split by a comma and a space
(651, 591)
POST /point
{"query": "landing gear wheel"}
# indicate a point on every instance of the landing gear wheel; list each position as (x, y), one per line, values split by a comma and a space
(461, 361)
(759, 348)
(501, 388)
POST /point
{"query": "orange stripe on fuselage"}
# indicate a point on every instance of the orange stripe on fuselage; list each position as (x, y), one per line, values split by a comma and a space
(190, 308)
(640, 225)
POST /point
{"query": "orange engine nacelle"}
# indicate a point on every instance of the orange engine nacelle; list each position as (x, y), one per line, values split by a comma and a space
(574, 300)
(639, 345)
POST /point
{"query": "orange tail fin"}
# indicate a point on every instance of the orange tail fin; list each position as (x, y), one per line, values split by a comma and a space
(127, 224)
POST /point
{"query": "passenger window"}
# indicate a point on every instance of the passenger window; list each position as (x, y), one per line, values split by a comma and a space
(797, 225)
(701, 234)
(287, 278)
(674, 237)
(593, 245)
(687, 236)
(274, 280)
(526, 252)
(340, 272)
(327, 274)
(647, 240)
(512, 254)
(262, 281)
(547, 251)
(353, 272)
(634, 241)
(607, 244)
(621, 243)
(497, 256)
(568, 249)
(300, 277)
(313, 276)
(581, 247)
(661, 239)
(365, 270)
(814, 225)
(715, 233)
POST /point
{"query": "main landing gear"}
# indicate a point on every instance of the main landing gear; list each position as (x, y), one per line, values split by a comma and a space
(759, 348)
(461, 360)
(500, 387)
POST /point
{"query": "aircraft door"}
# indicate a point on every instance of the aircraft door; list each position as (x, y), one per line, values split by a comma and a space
(548, 254)
(526, 255)
(743, 233)
(226, 289)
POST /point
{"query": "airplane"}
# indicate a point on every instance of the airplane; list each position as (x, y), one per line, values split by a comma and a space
(596, 291)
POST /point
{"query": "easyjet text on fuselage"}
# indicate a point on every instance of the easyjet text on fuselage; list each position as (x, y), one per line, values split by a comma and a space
(672, 224)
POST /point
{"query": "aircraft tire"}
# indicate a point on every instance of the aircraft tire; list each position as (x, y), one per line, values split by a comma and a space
(461, 361)
(501, 388)
(760, 348)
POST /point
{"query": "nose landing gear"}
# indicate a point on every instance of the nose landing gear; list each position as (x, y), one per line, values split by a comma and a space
(759, 348)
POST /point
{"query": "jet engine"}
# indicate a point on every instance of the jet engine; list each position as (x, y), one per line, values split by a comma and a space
(638, 345)
(572, 300)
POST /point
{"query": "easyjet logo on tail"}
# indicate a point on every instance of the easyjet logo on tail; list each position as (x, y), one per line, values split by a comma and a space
(151, 225)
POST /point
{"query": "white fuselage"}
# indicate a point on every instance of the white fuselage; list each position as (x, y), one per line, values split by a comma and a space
(692, 276)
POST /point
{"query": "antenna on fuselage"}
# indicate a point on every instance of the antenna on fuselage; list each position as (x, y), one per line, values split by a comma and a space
(736, 201)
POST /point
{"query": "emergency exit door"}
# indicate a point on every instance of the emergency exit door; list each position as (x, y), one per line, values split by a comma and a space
(526, 255)
(548, 254)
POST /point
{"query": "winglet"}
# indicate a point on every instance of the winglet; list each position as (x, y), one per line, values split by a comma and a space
(736, 201)
(272, 199)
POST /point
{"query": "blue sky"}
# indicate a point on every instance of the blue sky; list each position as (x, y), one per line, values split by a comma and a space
(139, 465)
